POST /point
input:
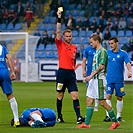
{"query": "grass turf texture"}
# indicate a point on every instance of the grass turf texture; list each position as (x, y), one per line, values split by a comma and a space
(43, 94)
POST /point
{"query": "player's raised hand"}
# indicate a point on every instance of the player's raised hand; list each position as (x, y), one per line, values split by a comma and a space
(59, 14)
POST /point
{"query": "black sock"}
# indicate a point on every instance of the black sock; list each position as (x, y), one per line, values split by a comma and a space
(59, 106)
(76, 107)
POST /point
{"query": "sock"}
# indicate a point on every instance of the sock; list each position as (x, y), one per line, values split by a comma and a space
(14, 107)
(89, 113)
(96, 103)
(59, 106)
(119, 106)
(112, 115)
(76, 107)
(109, 102)
(36, 117)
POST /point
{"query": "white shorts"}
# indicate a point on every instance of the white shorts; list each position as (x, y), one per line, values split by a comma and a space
(96, 89)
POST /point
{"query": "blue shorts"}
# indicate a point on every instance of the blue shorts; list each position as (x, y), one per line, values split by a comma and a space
(5, 81)
(66, 79)
(119, 89)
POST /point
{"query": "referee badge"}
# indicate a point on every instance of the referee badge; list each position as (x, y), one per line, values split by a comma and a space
(59, 86)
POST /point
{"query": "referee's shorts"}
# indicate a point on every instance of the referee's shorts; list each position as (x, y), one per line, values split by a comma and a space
(66, 79)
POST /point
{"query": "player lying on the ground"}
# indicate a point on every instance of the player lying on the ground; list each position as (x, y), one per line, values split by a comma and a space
(37, 118)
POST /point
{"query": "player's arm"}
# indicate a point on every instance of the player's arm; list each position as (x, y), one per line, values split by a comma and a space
(95, 72)
(58, 25)
(11, 65)
(84, 67)
(129, 70)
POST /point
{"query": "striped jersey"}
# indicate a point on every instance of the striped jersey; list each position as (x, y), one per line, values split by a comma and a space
(100, 58)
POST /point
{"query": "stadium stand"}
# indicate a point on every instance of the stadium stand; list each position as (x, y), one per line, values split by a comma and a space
(76, 9)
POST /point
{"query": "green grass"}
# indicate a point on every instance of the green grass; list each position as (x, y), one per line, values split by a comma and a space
(43, 94)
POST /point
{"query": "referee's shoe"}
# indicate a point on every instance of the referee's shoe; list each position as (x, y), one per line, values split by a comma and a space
(80, 119)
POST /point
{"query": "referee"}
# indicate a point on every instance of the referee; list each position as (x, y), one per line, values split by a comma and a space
(66, 77)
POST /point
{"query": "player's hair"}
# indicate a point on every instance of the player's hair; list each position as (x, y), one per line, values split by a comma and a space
(12, 122)
(113, 38)
(67, 30)
(96, 37)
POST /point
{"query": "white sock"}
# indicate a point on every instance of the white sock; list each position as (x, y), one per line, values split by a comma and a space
(119, 106)
(109, 102)
(14, 107)
(36, 117)
(96, 103)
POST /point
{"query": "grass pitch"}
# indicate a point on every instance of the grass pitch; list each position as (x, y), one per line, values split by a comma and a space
(43, 94)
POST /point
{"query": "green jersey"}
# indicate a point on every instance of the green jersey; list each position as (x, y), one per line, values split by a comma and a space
(100, 58)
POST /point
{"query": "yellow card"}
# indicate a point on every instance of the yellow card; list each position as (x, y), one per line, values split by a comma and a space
(60, 9)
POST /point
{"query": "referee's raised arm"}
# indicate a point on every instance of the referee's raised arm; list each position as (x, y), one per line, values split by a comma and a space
(58, 25)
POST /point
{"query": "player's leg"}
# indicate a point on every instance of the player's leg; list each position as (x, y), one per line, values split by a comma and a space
(109, 91)
(6, 86)
(89, 104)
(73, 90)
(103, 103)
(38, 121)
(96, 105)
(60, 88)
(60, 96)
(119, 104)
(111, 113)
(14, 107)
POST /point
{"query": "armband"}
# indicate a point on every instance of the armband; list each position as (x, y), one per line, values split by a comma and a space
(59, 20)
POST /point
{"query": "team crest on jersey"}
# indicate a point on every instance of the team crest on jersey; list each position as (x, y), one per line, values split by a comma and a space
(118, 56)
(109, 88)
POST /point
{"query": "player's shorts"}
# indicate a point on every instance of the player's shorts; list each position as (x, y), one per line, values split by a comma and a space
(119, 88)
(5, 81)
(49, 116)
(96, 89)
(66, 79)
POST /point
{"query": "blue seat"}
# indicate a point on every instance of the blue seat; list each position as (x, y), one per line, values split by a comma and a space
(63, 27)
(128, 33)
(36, 54)
(18, 26)
(81, 13)
(43, 55)
(74, 13)
(72, 6)
(85, 40)
(82, 33)
(46, 20)
(10, 26)
(48, 47)
(53, 20)
(51, 55)
(89, 33)
(41, 27)
(67, 13)
(40, 47)
(75, 33)
(113, 33)
(124, 40)
(49, 27)
(76, 40)
(3, 26)
(56, 54)
(20, 55)
(54, 48)
(120, 33)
